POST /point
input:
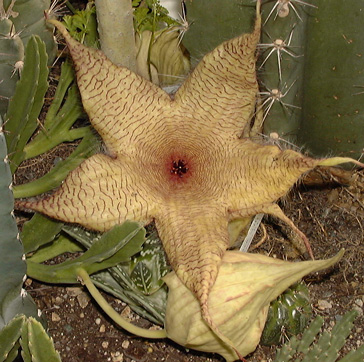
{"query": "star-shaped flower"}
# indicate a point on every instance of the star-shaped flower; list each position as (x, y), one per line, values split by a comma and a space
(185, 163)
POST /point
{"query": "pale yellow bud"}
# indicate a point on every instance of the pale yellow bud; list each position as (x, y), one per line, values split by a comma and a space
(238, 302)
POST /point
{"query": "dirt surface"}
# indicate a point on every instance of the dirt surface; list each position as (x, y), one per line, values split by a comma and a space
(331, 216)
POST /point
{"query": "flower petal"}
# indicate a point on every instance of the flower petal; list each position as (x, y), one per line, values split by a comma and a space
(223, 87)
(120, 103)
(99, 194)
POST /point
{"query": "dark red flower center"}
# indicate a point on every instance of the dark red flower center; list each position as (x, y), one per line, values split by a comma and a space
(179, 168)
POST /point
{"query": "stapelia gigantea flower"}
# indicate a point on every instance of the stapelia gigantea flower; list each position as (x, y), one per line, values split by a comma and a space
(238, 302)
(184, 162)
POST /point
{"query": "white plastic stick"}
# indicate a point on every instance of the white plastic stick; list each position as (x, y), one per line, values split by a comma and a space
(252, 231)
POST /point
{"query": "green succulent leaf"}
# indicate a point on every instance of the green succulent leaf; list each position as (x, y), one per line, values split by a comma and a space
(38, 231)
(149, 266)
(115, 246)
(59, 172)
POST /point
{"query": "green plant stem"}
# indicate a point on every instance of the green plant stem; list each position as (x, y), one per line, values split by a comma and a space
(116, 317)
(70, 7)
(116, 31)
(44, 144)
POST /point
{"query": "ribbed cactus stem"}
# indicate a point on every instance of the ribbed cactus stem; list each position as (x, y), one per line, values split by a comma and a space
(280, 70)
(328, 345)
(13, 299)
(19, 20)
(333, 121)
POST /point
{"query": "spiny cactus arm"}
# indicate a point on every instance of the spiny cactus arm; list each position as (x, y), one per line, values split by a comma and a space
(22, 116)
(11, 54)
(30, 21)
(36, 344)
(290, 348)
(9, 337)
(13, 299)
(281, 65)
(59, 118)
(328, 345)
(211, 22)
(19, 21)
(116, 317)
(354, 356)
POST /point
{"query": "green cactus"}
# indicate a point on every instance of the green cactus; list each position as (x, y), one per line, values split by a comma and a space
(309, 67)
(36, 344)
(22, 120)
(13, 298)
(19, 20)
(326, 348)
(210, 22)
(311, 63)
(281, 68)
(22, 114)
(288, 315)
(31, 336)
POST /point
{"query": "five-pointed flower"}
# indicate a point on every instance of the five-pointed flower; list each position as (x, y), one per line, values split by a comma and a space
(184, 162)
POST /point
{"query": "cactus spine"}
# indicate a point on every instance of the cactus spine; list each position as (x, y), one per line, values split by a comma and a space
(311, 64)
(280, 69)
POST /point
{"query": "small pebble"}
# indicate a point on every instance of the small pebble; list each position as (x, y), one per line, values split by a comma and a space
(102, 328)
(97, 321)
(83, 300)
(74, 291)
(117, 356)
(323, 304)
(58, 300)
(358, 309)
(55, 317)
(105, 344)
(28, 282)
(125, 344)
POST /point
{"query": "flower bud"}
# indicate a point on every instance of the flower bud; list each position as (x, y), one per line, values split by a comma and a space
(238, 302)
